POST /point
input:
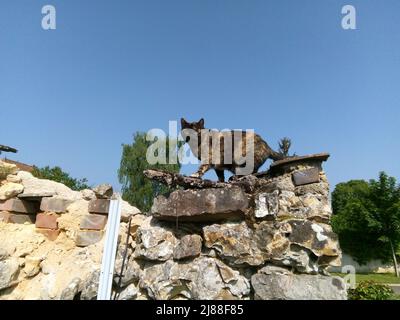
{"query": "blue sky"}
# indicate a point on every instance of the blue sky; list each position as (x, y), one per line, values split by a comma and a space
(72, 96)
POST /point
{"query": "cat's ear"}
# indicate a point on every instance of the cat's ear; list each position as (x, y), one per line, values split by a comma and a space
(183, 123)
(201, 123)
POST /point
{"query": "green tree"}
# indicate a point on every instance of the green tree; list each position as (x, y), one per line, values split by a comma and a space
(136, 188)
(284, 146)
(367, 218)
(58, 175)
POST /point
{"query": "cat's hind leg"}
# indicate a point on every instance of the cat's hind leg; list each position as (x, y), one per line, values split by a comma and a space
(220, 175)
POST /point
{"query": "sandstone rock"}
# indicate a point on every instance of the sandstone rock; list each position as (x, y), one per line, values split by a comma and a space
(8, 168)
(70, 221)
(132, 270)
(198, 279)
(127, 210)
(188, 246)
(201, 205)
(103, 191)
(274, 283)
(4, 254)
(10, 190)
(13, 178)
(88, 194)
(50, 234)
(154, 242)
(35, 187)
(136, 222)
(86, 238)
(32, 266)
(8, 272)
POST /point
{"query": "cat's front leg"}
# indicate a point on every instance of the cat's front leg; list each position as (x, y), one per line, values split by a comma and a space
(201, 171)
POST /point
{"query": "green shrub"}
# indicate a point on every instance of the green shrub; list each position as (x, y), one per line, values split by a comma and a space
(370, 290)
(4, 172)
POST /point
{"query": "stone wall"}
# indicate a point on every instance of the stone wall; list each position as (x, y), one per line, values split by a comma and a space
(265, 236)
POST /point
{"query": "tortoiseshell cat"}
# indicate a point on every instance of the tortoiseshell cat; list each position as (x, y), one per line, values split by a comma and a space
(238, 143)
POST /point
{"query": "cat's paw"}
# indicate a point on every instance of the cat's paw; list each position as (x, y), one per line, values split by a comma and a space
(195, 175)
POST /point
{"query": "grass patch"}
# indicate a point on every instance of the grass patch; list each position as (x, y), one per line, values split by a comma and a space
(377, 277)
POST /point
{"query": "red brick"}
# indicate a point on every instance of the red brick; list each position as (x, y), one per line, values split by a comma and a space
(8, 217)
(4, 216)
(99, 206)
(20, 206)
(49, 233)
(93, 222)
(46, 221)
(52, 204)
(22, 218)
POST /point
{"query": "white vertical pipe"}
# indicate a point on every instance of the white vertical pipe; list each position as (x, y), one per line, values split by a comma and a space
(109, 252)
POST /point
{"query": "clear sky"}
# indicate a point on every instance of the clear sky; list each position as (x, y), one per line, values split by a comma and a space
(72, 96)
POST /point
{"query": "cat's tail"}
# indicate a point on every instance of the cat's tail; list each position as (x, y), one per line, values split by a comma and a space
(269, 153)
(276, 155)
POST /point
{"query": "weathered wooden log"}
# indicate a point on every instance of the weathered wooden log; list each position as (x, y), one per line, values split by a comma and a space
(175, 179)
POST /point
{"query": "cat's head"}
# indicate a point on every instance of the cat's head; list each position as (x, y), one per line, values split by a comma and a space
(190, 127)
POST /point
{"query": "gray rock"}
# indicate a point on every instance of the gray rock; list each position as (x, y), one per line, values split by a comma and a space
(234, 242)
(103, 191)
(274, 283)
(201, 205)
(188, 246)
(267, 204)
(129, 293)
(90, 286)
(203, 278)
(70, 292)
(9, 270)
(154, 242)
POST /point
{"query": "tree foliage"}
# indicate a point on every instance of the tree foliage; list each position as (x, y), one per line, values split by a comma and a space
(367, 217)
(136, 188)
(58, 175)
(284, 146)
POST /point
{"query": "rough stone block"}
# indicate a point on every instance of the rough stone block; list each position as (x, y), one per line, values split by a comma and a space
(306, 176)
(201, 205)
(20, 206)
(85, 238)
(188, 246)
(93, 222)
(49, 233)
(46, 221)
(99, 206)
(275, 283)
(57, 205)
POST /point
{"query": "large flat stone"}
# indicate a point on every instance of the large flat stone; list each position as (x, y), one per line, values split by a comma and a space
(275, 283)
(306, 176)
(201, 205)
(20, 206)
(8, 217)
